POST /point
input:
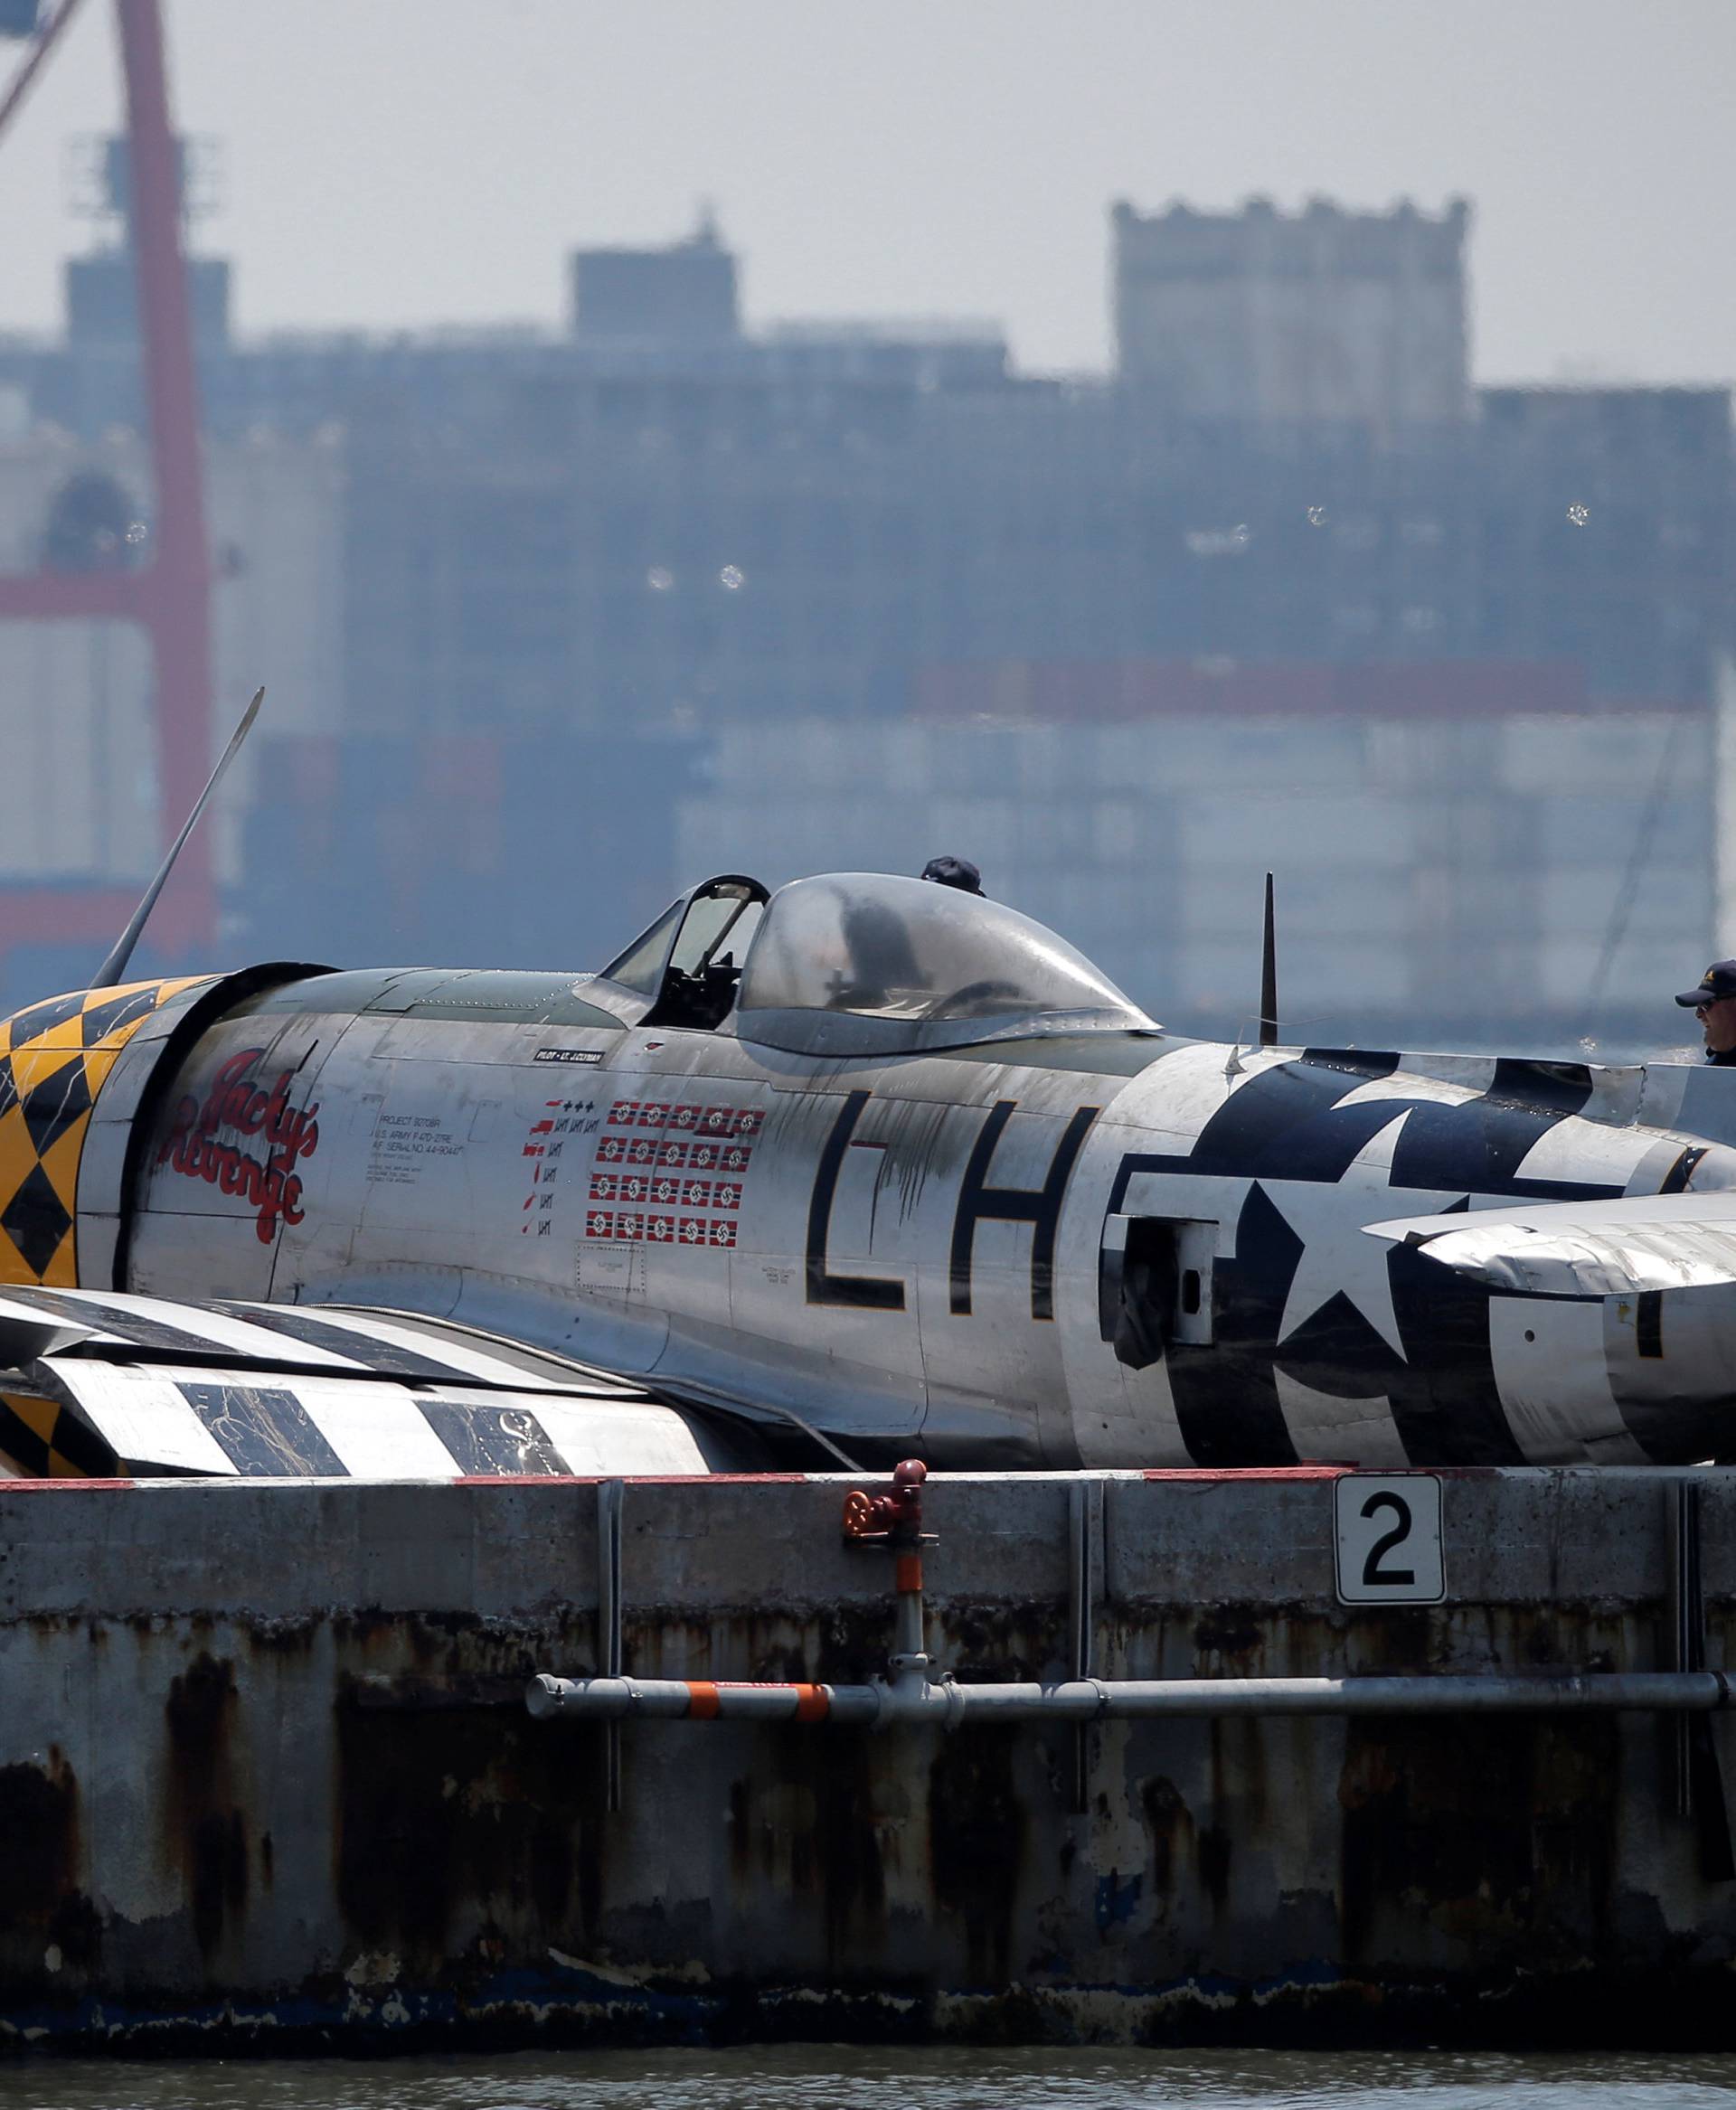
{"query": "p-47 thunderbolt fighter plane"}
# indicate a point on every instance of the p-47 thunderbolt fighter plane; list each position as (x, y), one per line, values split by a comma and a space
(865, 1165)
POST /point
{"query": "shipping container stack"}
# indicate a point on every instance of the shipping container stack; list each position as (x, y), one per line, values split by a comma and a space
(551, 623)
(461, 851)
(1471, 873)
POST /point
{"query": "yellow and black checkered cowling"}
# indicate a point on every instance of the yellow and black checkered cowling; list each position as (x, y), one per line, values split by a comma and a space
(54, 1060)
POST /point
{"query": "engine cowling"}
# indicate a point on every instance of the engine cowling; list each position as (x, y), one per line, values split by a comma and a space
(82, 1076)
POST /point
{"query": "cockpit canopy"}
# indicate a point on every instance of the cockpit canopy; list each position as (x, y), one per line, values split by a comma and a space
(863, 963)
(857, 963)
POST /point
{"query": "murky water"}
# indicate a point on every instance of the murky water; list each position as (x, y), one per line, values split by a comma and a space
(848, 2078)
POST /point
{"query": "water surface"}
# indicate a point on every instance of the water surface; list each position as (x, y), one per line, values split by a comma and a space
(851, 2077)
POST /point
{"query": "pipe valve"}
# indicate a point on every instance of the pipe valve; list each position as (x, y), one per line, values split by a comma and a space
(894, 1516)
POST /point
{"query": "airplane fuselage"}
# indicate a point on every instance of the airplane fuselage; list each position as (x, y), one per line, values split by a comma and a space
(1107, 1249)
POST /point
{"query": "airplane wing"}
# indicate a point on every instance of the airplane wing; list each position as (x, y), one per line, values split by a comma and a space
(94, 1384)
(1619, 1248)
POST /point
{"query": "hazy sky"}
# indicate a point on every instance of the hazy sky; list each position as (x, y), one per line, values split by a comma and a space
(403, 161)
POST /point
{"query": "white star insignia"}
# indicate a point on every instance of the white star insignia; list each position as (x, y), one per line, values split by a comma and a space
(1327, 1216)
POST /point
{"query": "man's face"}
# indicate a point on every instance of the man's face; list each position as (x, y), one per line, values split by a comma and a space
(1718, 1023)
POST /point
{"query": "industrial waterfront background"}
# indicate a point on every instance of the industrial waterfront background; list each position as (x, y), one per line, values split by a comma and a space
(550, 626)
(272, 1784)
(553, 619)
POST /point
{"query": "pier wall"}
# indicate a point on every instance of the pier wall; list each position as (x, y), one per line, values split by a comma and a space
(267, 1779)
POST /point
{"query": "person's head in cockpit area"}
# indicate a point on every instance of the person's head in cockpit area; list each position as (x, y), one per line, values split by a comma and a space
(953, 872)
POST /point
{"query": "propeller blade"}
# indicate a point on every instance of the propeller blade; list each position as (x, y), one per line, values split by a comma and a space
(115, 965)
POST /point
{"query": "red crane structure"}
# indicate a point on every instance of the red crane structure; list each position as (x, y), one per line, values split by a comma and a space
(169, 597)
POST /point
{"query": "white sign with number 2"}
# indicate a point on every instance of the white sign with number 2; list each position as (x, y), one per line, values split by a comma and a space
(1388, 1539)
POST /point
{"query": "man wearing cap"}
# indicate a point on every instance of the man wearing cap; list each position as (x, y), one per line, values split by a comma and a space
(953, 872)
(1713, 1003)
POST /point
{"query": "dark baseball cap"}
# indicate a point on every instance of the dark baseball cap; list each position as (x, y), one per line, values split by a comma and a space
(1719, 980)
(953, 872)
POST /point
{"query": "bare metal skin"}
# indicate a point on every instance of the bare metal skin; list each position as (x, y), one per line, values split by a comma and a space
(923, 1179)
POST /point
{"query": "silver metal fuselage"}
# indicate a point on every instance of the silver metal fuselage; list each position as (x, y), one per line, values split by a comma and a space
(939, 1252)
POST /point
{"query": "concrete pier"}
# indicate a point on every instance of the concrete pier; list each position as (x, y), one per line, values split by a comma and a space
(268, 1778)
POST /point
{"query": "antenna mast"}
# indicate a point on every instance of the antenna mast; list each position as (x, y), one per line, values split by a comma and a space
(1268, 975)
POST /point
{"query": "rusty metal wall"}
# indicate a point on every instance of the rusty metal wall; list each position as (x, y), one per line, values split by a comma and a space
(266, 1777)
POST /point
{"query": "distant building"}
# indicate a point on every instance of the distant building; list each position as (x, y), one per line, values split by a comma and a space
(685, 293)
(1605, 521)
(1259, 317)
(550, 619)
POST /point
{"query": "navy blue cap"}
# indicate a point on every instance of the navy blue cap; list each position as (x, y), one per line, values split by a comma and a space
(953, 872)
(1719, 980)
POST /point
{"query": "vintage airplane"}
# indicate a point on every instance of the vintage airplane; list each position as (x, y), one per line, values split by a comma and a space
(862, 1167)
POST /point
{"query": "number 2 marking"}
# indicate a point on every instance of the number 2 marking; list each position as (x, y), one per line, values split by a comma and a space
(1372, 1572)
(1379, 1521)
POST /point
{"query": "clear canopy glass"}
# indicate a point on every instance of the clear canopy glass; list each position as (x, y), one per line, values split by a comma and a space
(863, 962)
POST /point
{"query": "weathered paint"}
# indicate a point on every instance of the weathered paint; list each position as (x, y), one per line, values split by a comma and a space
(267, 1778)
(55, 1061)
(1097, 1248)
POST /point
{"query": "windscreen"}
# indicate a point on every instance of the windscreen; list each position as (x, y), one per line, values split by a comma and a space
(712, 918)
(870, 947)
(640, 966)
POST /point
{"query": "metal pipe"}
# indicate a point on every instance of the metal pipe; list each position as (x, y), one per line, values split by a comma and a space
(909, 1659)
(1084, 1546)
(696, 1699)
(610, 1501)
(912, 1695)
(914, 1699)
